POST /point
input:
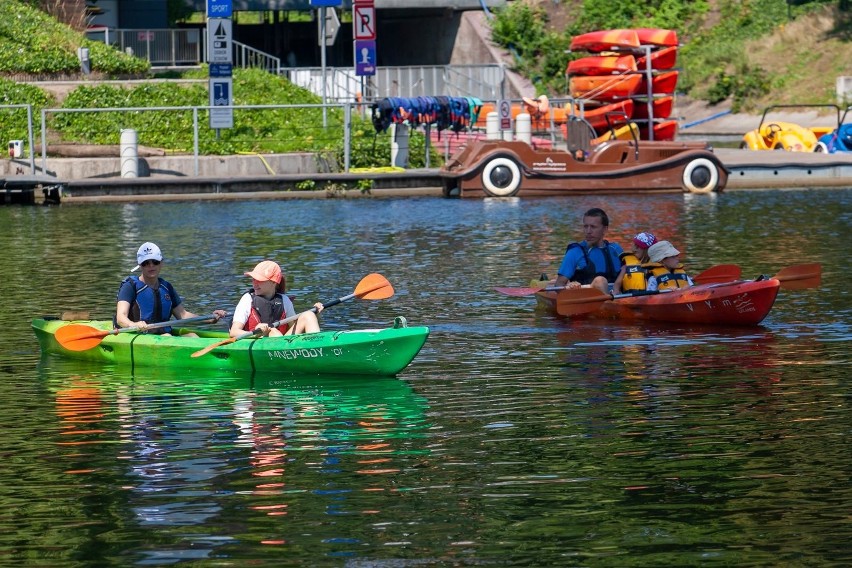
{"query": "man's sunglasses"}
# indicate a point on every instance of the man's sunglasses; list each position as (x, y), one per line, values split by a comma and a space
(154, 262)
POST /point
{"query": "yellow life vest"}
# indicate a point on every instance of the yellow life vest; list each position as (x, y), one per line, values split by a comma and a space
(668, 279)
(635, 274)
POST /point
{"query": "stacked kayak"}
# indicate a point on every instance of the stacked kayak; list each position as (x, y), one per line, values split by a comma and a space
(742, 302)
(629, 64)
(384, 351)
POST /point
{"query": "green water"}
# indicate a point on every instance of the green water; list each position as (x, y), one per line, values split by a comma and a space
(513, 438)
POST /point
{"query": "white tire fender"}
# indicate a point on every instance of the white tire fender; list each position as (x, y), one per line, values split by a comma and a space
(503, 190)
(690, 169)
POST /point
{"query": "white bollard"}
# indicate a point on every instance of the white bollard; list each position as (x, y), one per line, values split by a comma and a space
(129, 154)
(492, 126)
(399, 145)
(523, 127)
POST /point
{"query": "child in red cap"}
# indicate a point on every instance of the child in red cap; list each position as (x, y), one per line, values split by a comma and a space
(267, 303)
(632, 275)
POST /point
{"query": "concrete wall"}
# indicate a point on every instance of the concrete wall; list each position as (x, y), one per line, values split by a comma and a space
(65, 169)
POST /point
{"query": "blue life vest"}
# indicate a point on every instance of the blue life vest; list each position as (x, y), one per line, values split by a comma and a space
(152, 306)
(588, 273)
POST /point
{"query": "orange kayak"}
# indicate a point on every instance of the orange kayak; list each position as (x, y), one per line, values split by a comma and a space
(662, 107)
(661, 59)
(665, 130)
(656, 36)
(605, 40)
(742, 302)
(618, 112)
(604, 87)
(661, 84)
(602, 65)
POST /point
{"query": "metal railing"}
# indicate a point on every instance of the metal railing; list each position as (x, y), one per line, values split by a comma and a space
(162, 48)
(247, 56)
(484, 82)
(176, 47)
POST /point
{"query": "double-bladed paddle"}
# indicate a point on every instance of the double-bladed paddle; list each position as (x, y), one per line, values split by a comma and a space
(795, 277)
(528, 291)
(719, 273)
(713, 275)
(586, 300)
(81, 337)
(371, 287)
(800, 276)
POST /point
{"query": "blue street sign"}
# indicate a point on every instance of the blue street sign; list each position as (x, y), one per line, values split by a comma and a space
(220, 8)
(221, 70)
(325, 3)
(365, 57)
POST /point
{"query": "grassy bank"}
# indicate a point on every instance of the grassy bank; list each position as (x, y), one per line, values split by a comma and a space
(750, 53)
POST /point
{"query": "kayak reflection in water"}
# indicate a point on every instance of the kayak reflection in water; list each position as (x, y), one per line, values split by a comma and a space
(666, 271)
(150, 299)
(267, 303)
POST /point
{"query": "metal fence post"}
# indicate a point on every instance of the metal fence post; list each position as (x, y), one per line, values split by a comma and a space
(347, 136)
(195, 137)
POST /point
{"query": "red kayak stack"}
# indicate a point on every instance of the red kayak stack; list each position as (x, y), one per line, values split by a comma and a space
(636, 65)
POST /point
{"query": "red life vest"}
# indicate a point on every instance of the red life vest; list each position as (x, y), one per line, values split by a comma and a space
(266, 311)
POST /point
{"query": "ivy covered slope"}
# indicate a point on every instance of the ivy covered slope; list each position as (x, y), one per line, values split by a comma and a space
(33, 43)
(750, 52)
(297, 129)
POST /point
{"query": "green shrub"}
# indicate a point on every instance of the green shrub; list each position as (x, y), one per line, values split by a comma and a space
(32, 42)
(13, 121)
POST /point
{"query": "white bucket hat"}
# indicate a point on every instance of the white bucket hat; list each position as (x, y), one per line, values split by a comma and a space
(661, 250)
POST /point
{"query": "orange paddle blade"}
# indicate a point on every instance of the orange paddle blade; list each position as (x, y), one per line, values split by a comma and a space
(374, 287)
(210, 348)
(719, 274)
(79, 337)
(800, 276)
(579, 301)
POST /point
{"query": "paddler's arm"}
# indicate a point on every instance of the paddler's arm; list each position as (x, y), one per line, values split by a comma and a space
(122, 316)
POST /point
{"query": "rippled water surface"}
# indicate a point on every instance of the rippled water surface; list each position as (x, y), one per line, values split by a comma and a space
(513, 439)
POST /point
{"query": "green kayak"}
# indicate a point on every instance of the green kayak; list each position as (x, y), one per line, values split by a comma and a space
(360, 352)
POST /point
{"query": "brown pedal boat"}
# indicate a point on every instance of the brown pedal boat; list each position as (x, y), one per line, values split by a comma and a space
(499, 168)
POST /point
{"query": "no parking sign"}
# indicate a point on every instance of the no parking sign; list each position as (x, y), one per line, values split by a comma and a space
(505, 110)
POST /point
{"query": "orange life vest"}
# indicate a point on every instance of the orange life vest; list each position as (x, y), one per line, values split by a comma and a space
(668, 279)
(635, 274)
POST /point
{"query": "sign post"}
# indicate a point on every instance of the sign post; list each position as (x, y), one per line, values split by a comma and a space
(220, 57)
(323, 35)
(364, 32)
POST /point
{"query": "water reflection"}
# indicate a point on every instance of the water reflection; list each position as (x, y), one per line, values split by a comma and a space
(181, 448)
(513, 438)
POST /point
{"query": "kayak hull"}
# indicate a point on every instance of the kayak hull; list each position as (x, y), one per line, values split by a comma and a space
(661, 107)
(743, 302)
(605, 40)
(602, 65)
(361, 352)
(663, 83)
(605, 87)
